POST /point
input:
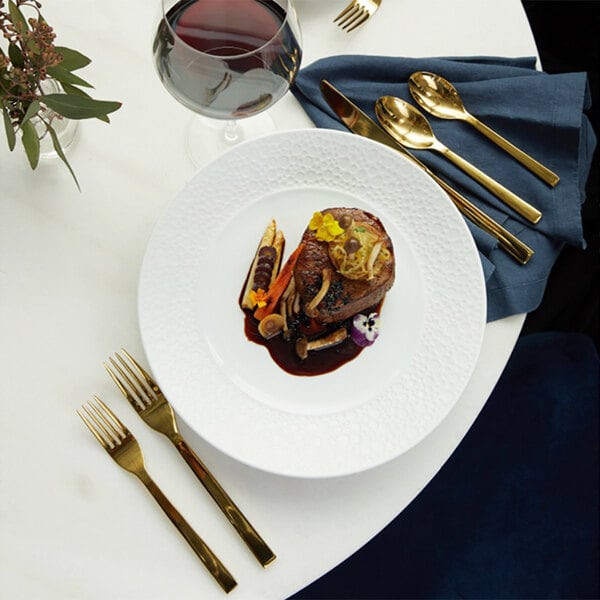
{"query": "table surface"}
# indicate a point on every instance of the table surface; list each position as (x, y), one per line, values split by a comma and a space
(72, 524)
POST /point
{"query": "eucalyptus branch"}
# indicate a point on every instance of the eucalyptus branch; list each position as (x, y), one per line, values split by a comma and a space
(30, 58)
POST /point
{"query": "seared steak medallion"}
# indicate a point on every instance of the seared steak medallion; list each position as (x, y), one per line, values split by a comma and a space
(356, 267)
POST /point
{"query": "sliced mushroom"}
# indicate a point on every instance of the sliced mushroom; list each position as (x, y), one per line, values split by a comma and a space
(312, 305)
(296, 307)
(290, 303)
(271, 325)
(303, 346)
(290, 289)
(328, 341)
(372, 258)
(283, 312)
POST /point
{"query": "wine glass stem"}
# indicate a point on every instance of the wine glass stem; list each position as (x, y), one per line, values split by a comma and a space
(232, 132)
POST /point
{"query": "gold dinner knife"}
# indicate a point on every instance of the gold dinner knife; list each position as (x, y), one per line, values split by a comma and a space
(360, 123)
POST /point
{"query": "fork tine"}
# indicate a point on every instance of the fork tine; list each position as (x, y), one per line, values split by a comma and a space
(350, 20)
(346, 12)
(92, 428)
(111, 420)
(126, 385)
(149, 380)
(349, 17)
(103, 423)
(140, 384)
(109, 436)
(118, 383)
(356, 13)
(358, 22)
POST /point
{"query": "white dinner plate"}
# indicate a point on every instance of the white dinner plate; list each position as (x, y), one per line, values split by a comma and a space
(228, 389)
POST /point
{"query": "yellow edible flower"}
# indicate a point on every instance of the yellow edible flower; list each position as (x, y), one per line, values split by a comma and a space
(326, 227)
(258, 297)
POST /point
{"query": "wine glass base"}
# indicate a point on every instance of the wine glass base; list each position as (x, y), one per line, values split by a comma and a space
(208, 138)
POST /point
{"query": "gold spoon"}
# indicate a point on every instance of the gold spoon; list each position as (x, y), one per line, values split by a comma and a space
(408, 125)
(440, 98)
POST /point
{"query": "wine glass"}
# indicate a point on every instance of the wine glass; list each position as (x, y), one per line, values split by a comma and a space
(226, 60)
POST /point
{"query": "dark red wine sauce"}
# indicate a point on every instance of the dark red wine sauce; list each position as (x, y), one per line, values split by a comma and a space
(318, 362)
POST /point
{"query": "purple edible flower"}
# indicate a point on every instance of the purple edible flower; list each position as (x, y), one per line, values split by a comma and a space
(365, 329)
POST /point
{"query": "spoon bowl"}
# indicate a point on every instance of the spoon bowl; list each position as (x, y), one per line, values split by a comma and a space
(408, 126)
(440, 98)
(437, 96)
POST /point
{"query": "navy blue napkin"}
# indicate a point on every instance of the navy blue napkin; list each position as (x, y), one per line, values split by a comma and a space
(541, 114)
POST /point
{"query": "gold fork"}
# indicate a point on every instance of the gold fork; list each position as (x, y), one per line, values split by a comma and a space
(143, 393)
(124, 449)
(356, 13)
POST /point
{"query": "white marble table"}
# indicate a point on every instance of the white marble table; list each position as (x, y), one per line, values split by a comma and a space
(72, 524)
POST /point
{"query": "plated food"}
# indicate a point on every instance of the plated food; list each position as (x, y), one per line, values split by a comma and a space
(318, 310)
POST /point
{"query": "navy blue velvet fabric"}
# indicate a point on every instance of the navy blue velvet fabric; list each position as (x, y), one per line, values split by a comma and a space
(514, 511)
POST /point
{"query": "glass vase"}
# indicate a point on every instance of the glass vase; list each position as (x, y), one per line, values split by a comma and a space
(66, 129)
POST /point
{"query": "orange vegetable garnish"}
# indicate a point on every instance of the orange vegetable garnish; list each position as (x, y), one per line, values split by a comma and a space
(279, 285)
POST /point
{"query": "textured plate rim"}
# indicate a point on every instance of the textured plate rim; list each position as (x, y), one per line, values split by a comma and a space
(320, 461)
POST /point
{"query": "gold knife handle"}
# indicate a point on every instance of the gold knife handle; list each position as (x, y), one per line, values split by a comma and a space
(253, 540)
(216, 568)
(545, 174)
(519, 205)
(506, 240)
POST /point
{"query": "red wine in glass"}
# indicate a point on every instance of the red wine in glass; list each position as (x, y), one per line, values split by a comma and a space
(227, 59)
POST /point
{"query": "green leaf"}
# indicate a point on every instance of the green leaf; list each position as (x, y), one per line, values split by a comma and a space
(72, 60)
(65, 76)
(15, 55)
(31, 143)
(74, 91)
(61, 154)
(10, 132)
(32, 110)
(79, 107)
(17, 18)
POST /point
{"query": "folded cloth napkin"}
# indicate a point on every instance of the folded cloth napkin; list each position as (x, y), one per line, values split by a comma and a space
(541, 114)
